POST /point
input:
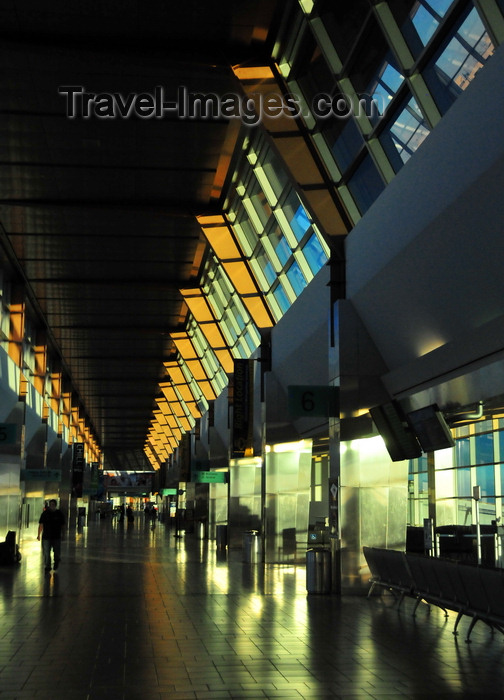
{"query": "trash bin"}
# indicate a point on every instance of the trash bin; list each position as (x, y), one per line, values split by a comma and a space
(251, 547)
(318, 570)
(221, 536)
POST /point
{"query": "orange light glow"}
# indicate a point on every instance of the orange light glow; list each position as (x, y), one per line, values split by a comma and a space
(240, 276)
(197, 305)
(256, 306)
(207, 390)
(226, 360)
(184, 345)
(196, 369)
(210, 219)
(222, 242)
(253, 72)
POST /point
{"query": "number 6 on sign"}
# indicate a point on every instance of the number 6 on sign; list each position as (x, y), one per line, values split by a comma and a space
(8, 433)
(313, 401)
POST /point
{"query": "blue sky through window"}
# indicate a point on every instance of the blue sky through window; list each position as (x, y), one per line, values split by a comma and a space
(424, 19)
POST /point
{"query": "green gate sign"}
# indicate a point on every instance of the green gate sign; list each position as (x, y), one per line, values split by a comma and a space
(209, 477)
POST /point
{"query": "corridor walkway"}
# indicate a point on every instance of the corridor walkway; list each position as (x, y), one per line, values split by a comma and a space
(134, 613)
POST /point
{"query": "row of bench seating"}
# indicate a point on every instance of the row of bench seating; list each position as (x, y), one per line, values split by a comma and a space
(468, 590)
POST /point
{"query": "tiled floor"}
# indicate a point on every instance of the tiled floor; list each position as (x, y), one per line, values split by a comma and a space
(139, 614)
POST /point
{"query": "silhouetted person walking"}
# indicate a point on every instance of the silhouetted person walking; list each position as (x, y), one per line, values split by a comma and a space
(50, 525)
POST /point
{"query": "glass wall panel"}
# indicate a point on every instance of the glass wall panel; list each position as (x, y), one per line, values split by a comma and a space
(287, 496)
(383, 88)
(281, 298)
(419, 20)
(248, 232)
(315, 256)
(275, 172)
(453, 68)
(296, 215)
(315, 77)
(273, 238)
(485, 479)
(280, 244)
(484, 448)
(464, 487)
(232, 317)
(449, 44)
(343, 22)
(344, 140)
(427, 16)
(374, 72)
(260, 202)
(296, 278)
(462, 452)
(500, 441)
(405, 134)
(266, 269)
(366, 184)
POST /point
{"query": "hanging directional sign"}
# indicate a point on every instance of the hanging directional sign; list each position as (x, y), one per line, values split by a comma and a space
(209, 477)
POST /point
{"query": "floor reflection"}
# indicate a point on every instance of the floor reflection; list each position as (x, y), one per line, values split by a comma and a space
(133, 607)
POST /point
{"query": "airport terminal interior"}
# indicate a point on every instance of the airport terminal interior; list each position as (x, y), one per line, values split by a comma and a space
(252, 343)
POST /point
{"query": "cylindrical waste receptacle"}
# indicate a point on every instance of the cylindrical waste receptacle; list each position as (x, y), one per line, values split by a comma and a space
(251, 547)
(221, 536)
(318, 570)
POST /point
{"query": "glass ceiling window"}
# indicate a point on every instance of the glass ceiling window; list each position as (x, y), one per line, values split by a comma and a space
(279, 245)
(366, 184)
(316, 76)
(374, 72)
(427, 16)
(419, 20)
(344, 140)
(314, 254)
(343, 21)
(383, 88)
(240, 332)
(451, 71)
(359, 52)
(405, 134)
(211, 365)
(282, 226)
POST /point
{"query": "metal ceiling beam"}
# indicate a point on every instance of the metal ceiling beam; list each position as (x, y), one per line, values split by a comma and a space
(188, 209)
(175, 52)
(102, 167)
(111, 281)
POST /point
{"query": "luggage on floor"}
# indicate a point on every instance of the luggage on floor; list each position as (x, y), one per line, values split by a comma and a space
(9, 550)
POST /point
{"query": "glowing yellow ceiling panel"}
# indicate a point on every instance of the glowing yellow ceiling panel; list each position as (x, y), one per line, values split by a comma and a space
(196, 369)
(213, 334)
(207, 390)
(210, 219)
(184, 345)
(197, 304)
(256, 306)
(222, 242)
(226, 360)
(240, 276)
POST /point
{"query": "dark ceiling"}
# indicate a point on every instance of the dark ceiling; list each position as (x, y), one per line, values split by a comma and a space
(100, 212)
